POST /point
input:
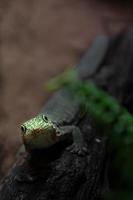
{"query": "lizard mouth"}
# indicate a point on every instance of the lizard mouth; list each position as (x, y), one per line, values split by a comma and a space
(27, 139)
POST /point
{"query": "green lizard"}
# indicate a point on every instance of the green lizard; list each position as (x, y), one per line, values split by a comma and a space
(57, 119)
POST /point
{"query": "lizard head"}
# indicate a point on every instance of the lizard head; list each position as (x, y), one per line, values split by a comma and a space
(38, 132)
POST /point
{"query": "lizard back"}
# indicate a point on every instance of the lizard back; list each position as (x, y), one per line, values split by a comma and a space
(61, 108)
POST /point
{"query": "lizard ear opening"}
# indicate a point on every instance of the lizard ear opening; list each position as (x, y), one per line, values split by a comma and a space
(44, 118)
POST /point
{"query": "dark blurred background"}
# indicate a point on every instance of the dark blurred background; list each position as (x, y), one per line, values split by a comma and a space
(39, 39)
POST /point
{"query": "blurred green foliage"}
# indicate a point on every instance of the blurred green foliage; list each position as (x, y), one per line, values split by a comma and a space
(114, 119)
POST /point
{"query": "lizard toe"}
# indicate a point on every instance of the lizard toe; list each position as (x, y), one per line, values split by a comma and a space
(78, 149)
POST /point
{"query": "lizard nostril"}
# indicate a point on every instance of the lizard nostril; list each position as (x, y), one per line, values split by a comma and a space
(23, 128)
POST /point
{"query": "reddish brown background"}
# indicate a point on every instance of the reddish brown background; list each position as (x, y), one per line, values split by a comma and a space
(38, 39)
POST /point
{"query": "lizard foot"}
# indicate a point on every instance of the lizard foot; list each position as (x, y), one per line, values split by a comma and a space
(79, 149)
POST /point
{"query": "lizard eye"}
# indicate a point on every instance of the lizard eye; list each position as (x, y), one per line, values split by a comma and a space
(23, 129)
(45, 118)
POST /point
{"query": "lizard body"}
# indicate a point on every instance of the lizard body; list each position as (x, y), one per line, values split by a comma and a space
(57, 118)
(48, 128)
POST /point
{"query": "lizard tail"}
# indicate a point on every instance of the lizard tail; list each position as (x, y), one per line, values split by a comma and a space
(88, 65)
(93, 58)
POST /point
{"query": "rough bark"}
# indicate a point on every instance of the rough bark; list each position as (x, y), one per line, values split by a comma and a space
(56, 173)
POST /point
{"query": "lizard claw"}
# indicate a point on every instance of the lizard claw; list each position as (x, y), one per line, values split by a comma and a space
(79, 149)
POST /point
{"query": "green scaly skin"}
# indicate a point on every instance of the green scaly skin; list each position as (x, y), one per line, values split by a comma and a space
(39, 132)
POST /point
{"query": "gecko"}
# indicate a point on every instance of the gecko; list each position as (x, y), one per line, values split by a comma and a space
(56, 121)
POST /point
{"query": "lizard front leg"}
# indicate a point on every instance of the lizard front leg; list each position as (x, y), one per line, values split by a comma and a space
(78, 145)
